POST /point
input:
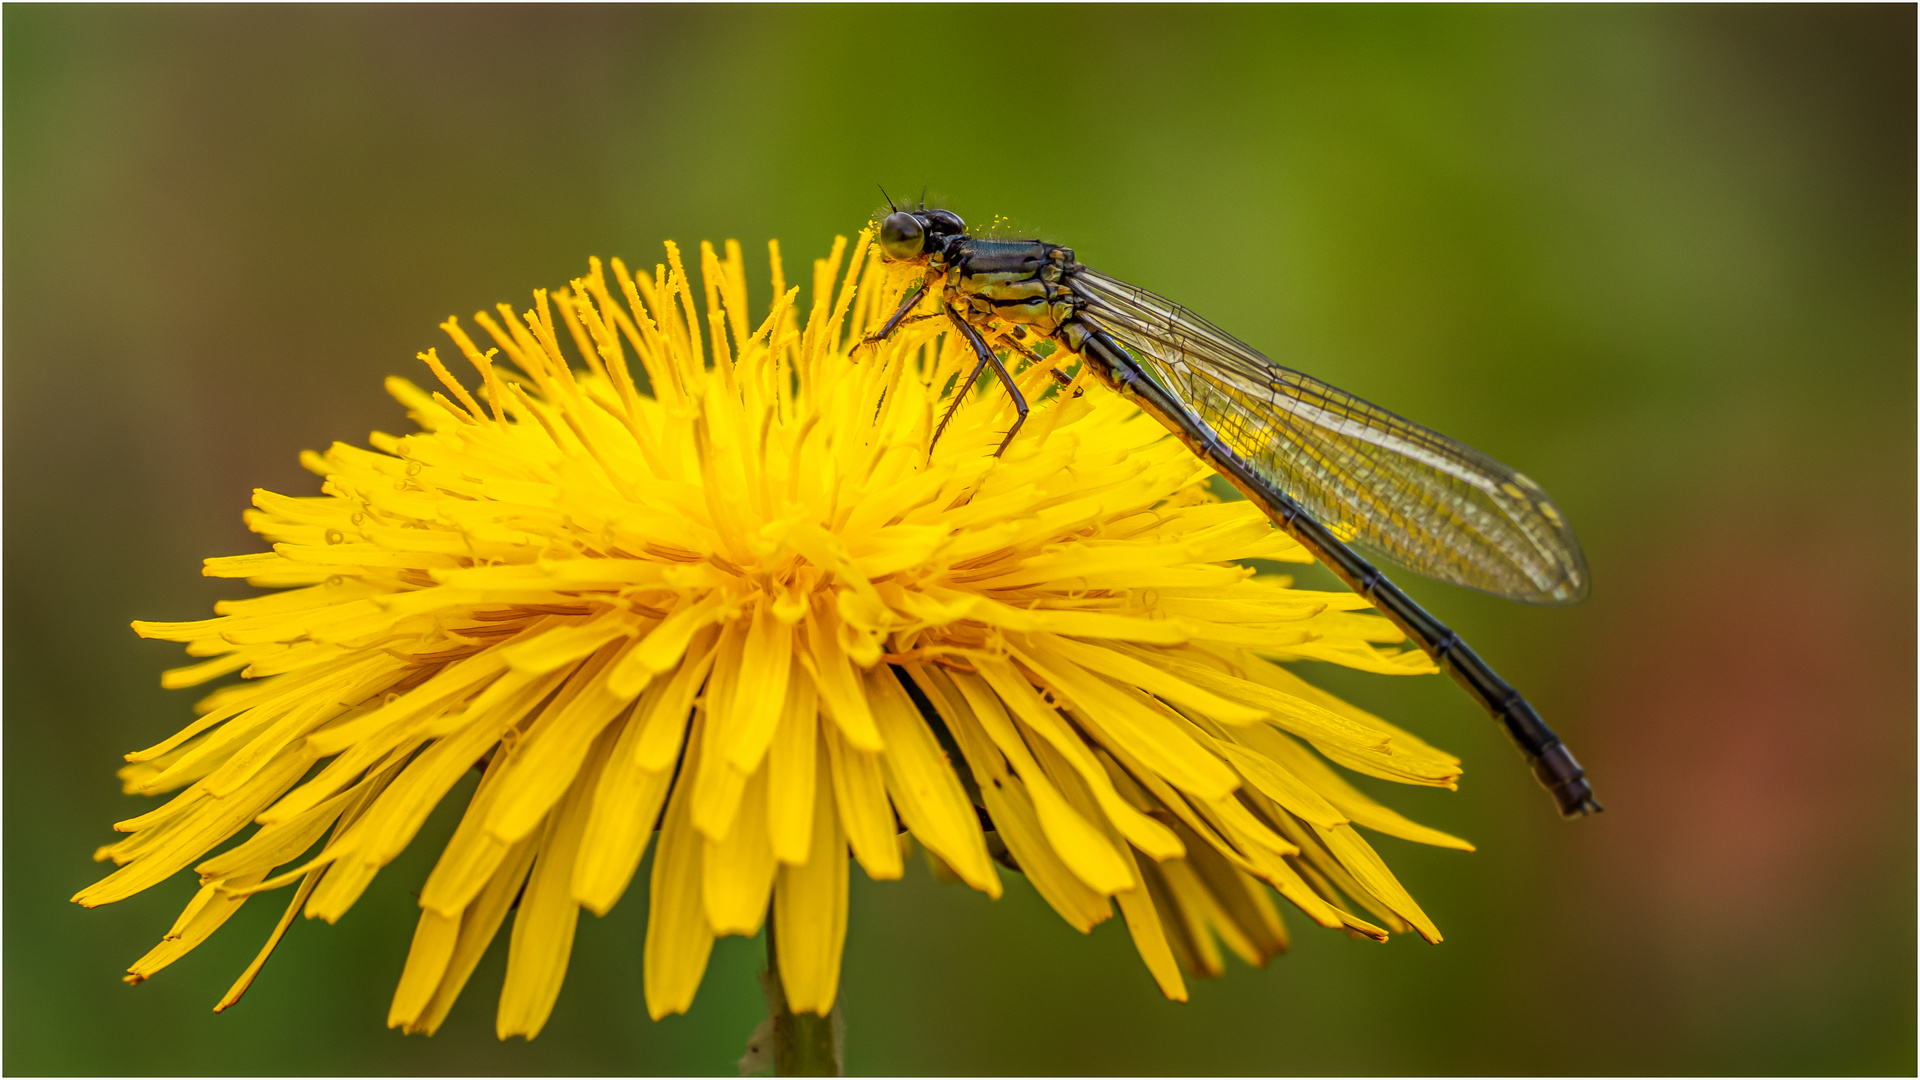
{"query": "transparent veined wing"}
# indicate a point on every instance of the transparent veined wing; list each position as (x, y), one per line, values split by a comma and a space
(1412, 496)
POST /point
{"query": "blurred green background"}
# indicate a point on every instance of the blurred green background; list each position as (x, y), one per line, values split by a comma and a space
(1663, 259)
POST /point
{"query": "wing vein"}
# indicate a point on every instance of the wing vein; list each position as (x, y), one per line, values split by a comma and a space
(1408, 494)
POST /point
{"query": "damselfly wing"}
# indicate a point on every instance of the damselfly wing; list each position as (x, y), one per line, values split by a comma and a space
(1410, 495)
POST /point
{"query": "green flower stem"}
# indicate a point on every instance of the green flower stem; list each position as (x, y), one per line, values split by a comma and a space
(804, 1044)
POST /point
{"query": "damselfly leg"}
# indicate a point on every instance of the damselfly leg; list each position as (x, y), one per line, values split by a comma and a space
(1037, 360)
(898, 319)
(986, 358)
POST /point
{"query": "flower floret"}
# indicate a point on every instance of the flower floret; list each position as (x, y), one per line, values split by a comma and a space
(712, 577)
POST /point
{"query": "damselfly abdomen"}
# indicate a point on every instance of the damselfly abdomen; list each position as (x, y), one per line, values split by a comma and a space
(1332, 470)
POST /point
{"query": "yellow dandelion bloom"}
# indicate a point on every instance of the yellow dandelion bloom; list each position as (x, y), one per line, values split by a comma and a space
(708, 581)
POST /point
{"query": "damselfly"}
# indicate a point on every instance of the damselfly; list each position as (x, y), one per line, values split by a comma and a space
(1332, 470)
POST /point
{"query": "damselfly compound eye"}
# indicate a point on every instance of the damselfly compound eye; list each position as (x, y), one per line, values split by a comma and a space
(901, 236)
(944, 222)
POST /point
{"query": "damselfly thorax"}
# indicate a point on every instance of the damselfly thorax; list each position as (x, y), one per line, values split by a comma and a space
(1002, 284)
(1333, 471)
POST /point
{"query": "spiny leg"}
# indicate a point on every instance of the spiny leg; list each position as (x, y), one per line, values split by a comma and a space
(895, 320)
(986, 356)
(1019, 403)
(959, 395)
(1032, 357)
(1053, 369)
(908, 321)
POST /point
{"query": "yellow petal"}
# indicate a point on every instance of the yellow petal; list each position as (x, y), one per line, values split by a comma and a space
(666, 712)
(565, 643)
(1276, 783)
(1293, 712)
(273, 845)
(1187, 915)
(1093, 624)
(737, 871)
(214, 821)
(453, 682)
(1301, 763)
(210, 908)
(661, 649)
(792, 767)
(1365, 864)
(434, 937)
(679, 938)
(760, 690)
(1150, 938)
(1013, 689)
(547, 759)
(810, 916)
(1018, 826)
(1251, 926)
(717, 785)
(1148, 736)
(924, 787)
(404, 807)
(1062, 887)
(1080, 845)
(1155, 680)
(542, 939)
(477, 927)
(860, 795)
(838, 682)
(259, 961)
(473, 853)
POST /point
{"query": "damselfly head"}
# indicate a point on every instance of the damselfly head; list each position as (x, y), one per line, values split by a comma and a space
(910, 235)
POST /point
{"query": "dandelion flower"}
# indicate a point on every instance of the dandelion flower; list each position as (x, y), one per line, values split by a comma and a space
(707, 580)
